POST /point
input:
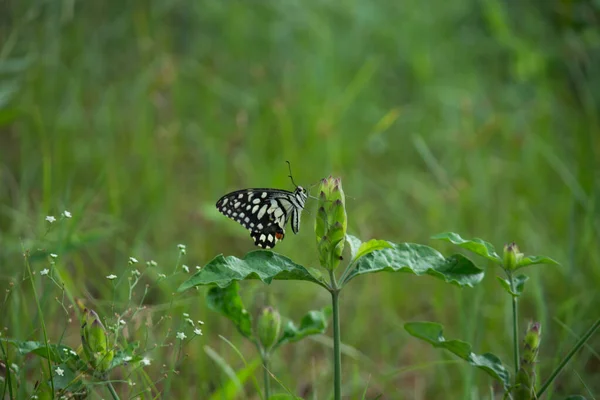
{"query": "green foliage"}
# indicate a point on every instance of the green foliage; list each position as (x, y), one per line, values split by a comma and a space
(331, 223)
(433, 334)
(228, 302)
(419, 260)
(313, 323)
(260, 264)
(477, 246)
(519, 282)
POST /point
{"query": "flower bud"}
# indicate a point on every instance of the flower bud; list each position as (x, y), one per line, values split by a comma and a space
(512, 256)
(331, 223)
(268, 327)
(526, 376)
(94, 340)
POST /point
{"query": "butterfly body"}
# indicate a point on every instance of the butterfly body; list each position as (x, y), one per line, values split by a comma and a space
(264, 212)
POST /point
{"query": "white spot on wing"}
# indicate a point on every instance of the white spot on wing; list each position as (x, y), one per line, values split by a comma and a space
(263, 195)
(256, 201)
(259, 226)
(241, 195)
(262, 212)
(254, 209)
(262, 237)
(270, 237)
(225, 200)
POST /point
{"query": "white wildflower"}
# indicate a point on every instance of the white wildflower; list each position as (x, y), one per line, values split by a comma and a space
(186, 315)
(180, 335)
(44, 271)
(189, 321)
(66, 214)
(122, 322)
(201, 322)
(151, 263)
(127, 358)
(133, 260)
(60, 371)
(162, 276)
(111, 277)
(50, 219)
(53, 255)
(146, 361)
(198, 331)
(186, 268)
(135, 272)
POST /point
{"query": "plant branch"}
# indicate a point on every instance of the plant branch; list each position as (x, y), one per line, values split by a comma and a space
(337, 356)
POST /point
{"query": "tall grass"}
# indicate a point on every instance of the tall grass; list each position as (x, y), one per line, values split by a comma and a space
(478, 117)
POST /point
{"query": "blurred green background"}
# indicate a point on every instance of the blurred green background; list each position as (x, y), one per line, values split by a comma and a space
(479, 117)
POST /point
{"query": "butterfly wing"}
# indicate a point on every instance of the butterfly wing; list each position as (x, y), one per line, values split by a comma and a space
(264, 212)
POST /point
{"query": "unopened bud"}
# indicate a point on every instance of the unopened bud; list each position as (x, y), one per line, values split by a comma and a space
(94, 340)
(512, 256)
(268, 327)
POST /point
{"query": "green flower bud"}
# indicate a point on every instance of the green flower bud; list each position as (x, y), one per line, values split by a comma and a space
(94, 340)
(512, 256)
(331, 223)
(526, 377)
(268, 327)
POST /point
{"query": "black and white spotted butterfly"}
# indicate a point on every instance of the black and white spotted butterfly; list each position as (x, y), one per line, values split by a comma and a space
(265, 212)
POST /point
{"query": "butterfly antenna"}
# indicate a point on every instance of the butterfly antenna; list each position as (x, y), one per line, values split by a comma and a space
(290, 175)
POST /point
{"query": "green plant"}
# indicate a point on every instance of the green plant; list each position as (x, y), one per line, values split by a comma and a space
(523, 385)
(330, 229)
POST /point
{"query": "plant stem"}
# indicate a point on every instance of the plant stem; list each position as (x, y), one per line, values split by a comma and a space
(564, 362)
(515, 323)
(337, 355)
(112, 391)
(265, 359)
(41, 314)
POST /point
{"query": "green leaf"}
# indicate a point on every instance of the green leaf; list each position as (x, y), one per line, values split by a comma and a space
(260, 264)
(359, 249)
(576, 397)
(231, 388)
(313, 323)
(519, 284)
(56, 353)
(420, 260)
(477, 246)
(126, 356)
(228, 302)
(533, 260)
(432, 333)
(354, 243)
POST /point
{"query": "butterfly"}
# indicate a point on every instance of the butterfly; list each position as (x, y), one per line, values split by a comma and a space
(265, 212)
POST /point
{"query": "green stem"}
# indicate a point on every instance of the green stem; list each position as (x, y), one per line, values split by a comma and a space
(41, 314)
(265, 359)
(515, 323)
(337, 355)
(112, 391)
(565, 361)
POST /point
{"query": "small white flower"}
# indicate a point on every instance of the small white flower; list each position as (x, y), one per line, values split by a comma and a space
(133, 260)
(111, 277)
(14, 367)
(198, 267)
(163, 276)
(198, 331)
(181, 246)
(60, 371)
(186, 315)
(201, 322)
(34, 396)
(189, 321)
(186, 268)
(180, 335)
(151, 263)
(146, 361)
(53, 255)
(44, 271)
(50, 219)
(73, 353)
(122, 322)
(66, 214)
(127, 358)
(135, 272)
